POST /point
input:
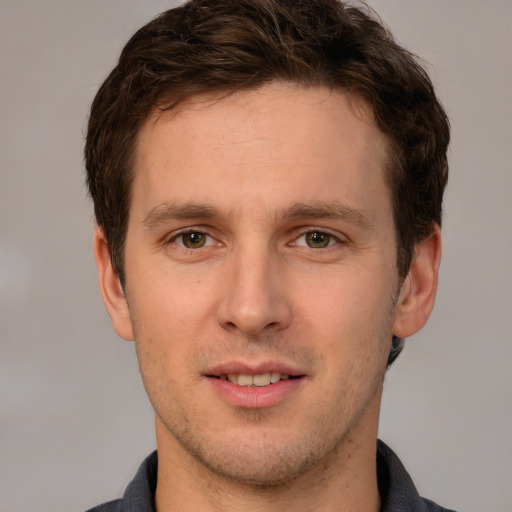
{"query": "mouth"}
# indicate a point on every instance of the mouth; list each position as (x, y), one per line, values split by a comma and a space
(255, 381)
(255, 386)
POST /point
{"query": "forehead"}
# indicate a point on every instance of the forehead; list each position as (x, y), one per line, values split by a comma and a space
(279, 108)
(253, 145)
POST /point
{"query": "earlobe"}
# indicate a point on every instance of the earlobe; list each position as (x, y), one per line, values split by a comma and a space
(419, 288)
(110, 288)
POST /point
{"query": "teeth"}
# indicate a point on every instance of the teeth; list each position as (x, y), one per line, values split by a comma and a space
(276, 377)
(263, 379)
(260, 380)
(244, 380)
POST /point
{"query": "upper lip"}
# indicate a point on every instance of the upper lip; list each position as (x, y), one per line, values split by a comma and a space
(236, 367)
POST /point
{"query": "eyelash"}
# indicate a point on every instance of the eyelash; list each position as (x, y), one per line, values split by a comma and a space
(181, 234)
(331, 239)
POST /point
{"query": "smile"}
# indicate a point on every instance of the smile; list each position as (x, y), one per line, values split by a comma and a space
(260, 380)
(255, 387)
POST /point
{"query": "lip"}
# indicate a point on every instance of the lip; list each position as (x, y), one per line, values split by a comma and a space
(254, 397)
(253, 369)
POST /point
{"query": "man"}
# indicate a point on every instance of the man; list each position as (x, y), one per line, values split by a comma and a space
(267, 178)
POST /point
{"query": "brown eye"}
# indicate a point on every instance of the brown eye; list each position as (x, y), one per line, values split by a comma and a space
(193, 239)
(317, 239)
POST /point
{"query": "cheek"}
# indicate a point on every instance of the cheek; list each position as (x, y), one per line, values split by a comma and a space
(348, 299)
(167, 299)
(350, 320)
(171, 315)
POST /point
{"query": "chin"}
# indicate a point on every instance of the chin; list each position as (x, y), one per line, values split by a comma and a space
(263, 469)
(265, 462)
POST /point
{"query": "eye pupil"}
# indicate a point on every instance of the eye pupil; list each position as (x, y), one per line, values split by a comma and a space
(193, 240)
(317, 240)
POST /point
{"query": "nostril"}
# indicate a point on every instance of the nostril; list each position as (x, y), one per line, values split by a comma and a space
(253, 314)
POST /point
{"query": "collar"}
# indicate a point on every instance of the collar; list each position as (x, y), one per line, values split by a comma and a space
(397, 490)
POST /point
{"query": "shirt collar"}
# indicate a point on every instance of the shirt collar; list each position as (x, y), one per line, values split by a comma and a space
(396, 487)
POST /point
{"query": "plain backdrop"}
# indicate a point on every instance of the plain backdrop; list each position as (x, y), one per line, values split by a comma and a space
(74, 419)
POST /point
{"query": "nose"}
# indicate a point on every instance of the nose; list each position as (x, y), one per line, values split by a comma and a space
(254, 298)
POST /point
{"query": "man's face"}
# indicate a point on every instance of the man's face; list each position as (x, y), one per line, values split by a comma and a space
(261, 248)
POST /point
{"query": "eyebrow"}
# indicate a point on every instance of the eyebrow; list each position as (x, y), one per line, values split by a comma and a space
(166, 212)
(334, 211)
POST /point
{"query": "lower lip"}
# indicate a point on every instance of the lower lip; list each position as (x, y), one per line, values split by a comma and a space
(255, 397)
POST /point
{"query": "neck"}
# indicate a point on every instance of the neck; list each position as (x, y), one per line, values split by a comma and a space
(345, 480)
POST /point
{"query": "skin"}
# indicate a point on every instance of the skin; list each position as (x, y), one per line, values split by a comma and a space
(253, 175)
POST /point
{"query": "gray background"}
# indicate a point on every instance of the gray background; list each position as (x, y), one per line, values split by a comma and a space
(75, 422)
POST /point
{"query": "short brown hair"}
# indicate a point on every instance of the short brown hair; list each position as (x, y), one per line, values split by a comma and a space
(228, 45)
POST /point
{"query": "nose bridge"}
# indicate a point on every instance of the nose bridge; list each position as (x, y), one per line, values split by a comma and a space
(253, 296)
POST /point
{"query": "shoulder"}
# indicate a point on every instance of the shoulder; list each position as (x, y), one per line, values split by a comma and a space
(397, 490)
(139, 495)
(430, 506)
(111, 506)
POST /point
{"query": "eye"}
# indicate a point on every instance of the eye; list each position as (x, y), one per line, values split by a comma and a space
(193, 240)
(316, 240)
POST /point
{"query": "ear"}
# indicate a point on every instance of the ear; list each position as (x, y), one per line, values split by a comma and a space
(419, 288)
(110, 288)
